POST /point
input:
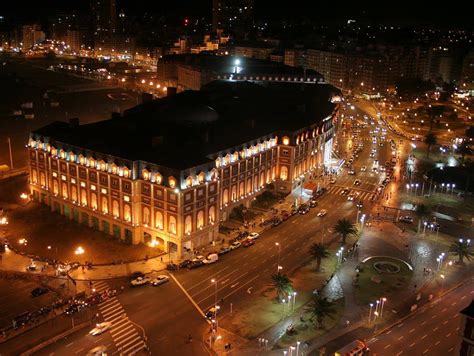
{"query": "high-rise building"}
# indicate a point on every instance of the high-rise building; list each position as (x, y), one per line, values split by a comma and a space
(234, 16)
(31, 35)
(104, 16)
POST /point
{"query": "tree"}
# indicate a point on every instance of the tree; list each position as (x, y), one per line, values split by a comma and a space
(345, 228)
(282, 284)
(462, 249)
(318, 251)
(319, 308)
(430, 140)
(421, 211)
(464, 150)
(434, 112)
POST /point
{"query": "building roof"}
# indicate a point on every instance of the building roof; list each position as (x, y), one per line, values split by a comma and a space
(469, 310)
(183, 130)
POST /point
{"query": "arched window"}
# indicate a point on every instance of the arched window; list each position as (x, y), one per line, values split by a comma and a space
(115, 209)
(145, 174)
(126, 172)
(234, 193)
(94, 201)
(262, 179)
(127, 213)
(64, 190)
(255, 183)
(188, 225)
(105, 205)
(189, 181)
(225, 196)
(92, 163)
(82, 159)
(172, 182)
(200, 219)
(102, 165)
(146, 216)
(241, 189)
(42, 179)
(73, 193)
(34, 176)
(55, 187)
(159, 220)
(158, 178)
(172, 225)
(201, 176)
(249, 185)
(284, 173)
(72, 156)
(114, 168)
(212, 214)
(268, 176)
(83, 197)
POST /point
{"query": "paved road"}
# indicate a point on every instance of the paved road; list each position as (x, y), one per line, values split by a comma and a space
(433, 330)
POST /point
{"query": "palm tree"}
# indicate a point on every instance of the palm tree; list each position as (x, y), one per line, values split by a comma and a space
(430, 140)
(282, 284)
(421, 211)
(318, 251)
(435, 111)
(345, 228)
(462, 249)
(320, 308)
(464, 150)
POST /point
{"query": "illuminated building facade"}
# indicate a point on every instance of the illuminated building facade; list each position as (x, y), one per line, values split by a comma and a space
(166, 172)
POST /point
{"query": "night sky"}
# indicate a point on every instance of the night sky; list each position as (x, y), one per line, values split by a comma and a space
(403, 13)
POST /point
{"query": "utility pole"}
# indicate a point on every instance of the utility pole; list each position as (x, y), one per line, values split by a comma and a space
(10, 150)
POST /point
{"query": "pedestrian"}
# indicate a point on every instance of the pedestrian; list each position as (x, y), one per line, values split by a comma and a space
(161, 258)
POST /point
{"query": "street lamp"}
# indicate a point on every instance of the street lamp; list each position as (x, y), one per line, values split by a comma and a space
(215, 302)
(279, 250)
(294, 300)
(297, 347)
(381, 309)
(79, 251)
(370, 310)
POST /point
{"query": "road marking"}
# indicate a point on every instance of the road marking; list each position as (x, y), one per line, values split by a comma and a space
(451, 349)
(434, 316)
(400, 325)
(388, 332)
(436, 328)
(69, 344)
(127, 339)
(122, 316)
(224, 282)
(411, 345)
(386, 347)
(424, 336)
(445, 322)
(272, 256)
(399, 353)
(97, 340)
(131, 342)
(411, 330)
(78, 351)
(189, 297)
(129, 331)
(109, 307)
(442, 311)
(118, 325)
(424, 352)
(453, 304)
(401, 337)
(141, 345)
(111, 312)
(235, 284)
(448, 335)
(437, 343)
(423, 323)
(463, 297)
(210, 277)
(114, 333)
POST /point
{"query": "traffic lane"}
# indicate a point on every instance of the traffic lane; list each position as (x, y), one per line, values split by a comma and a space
(79, 343)
(157, 310)
(438, 321)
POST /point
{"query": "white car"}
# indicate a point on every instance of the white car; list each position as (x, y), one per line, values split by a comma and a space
(253, 235)
(322, 212)
(363, 168)
(159, 280)
(140, 281)
(100, 328)
(350, 197)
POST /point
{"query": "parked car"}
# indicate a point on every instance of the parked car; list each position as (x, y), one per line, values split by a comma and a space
(285, 215)
(276, 221)
(253, 236)
(100, 328)
(406, 219)
(363, 168)
(159, 280)
(235, 245)
(212, 258)
(313, 203)
(322, 212)
(39, 291)
(140, 281)
(303, 209)
(137, 274)
(31, 267)
(184, 263)
(195, 263)
(248, 243)
(224, 249)
(242, 235)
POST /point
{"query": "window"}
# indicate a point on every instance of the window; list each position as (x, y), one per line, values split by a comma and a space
(286, 140)
(83, 197)
(201, 177)
(172, 225)
(188, 225)
(82, 159)
(225, 196)
(127, 214)
(262, 179)
(34, 177)
(172, 182)
(212, 215)
(241, 189)
(105, 205)
(200, 219)
(189, 181)
(145, 174)
(146, 216)
(158, 178)
(115, 209)
(42, 179)
(73, 193)
(55, 187)
(284, 173)
(64, 191)
(126, 172)
(114, 168)
(234, 193)
(159, 220)
(249, 185)
(94, 201)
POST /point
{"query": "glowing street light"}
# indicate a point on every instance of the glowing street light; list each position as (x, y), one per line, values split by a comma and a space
(79, 251)
(279, 250)
(24, 196)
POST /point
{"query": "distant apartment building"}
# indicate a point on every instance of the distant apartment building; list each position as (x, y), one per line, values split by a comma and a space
(467, 71)
(465, 345)
(74, 39)
(31, 35)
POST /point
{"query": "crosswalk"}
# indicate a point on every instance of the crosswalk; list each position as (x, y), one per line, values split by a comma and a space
(124, 333)
(360, 194)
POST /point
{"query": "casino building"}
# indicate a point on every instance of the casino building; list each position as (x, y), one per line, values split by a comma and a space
(166, 172)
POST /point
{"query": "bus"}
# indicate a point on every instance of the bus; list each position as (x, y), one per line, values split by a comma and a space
(355, 348)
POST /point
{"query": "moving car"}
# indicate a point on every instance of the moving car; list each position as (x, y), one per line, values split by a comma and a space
(235, 245)
(100, 328)
(351, 197)
(313, 203)
(211, 312)
(140, 281)
(253, 235)
(345, 191)
(159, 280)
(39, 291)
(212, 258)
(332, 181)
(248, 243)
(322, 212)
(363, 168)
(351, 172)
(98, 351)
(406, 219)
(357, 182)
(31, 266)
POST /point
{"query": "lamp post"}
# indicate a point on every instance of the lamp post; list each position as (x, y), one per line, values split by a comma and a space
(297, 347)
(381, 308)
(289, 303)
(371, 305)
(215, 302)
(284, 305)
(279, 251)
(424, 227)
(452, 188)
(294, 300)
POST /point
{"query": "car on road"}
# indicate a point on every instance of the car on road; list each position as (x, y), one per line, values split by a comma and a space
(248, 243)
(303, 209)
(357, 182)
(100, 328)
(140, 281)
(345, 191)
(136, 274)
(195, 263)
(372, 155)
(253, 236)
(333, 180)
(285, 215)
(363, 168)
(224, 249)
(75, 307)
(322, 212)
(184, 264)
(212, 312)
(351, 172)
(159, 280)
(234, 245)
(31, 267)
(211, 258)
(406, 219)
(242, 235)
(39, 291)
(98, 351)
(313, 203)
(351, 197)
(276, 221)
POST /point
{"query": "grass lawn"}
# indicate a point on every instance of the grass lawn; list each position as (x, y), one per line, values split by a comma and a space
(307, 330)
(367, 290)
(261, 311)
